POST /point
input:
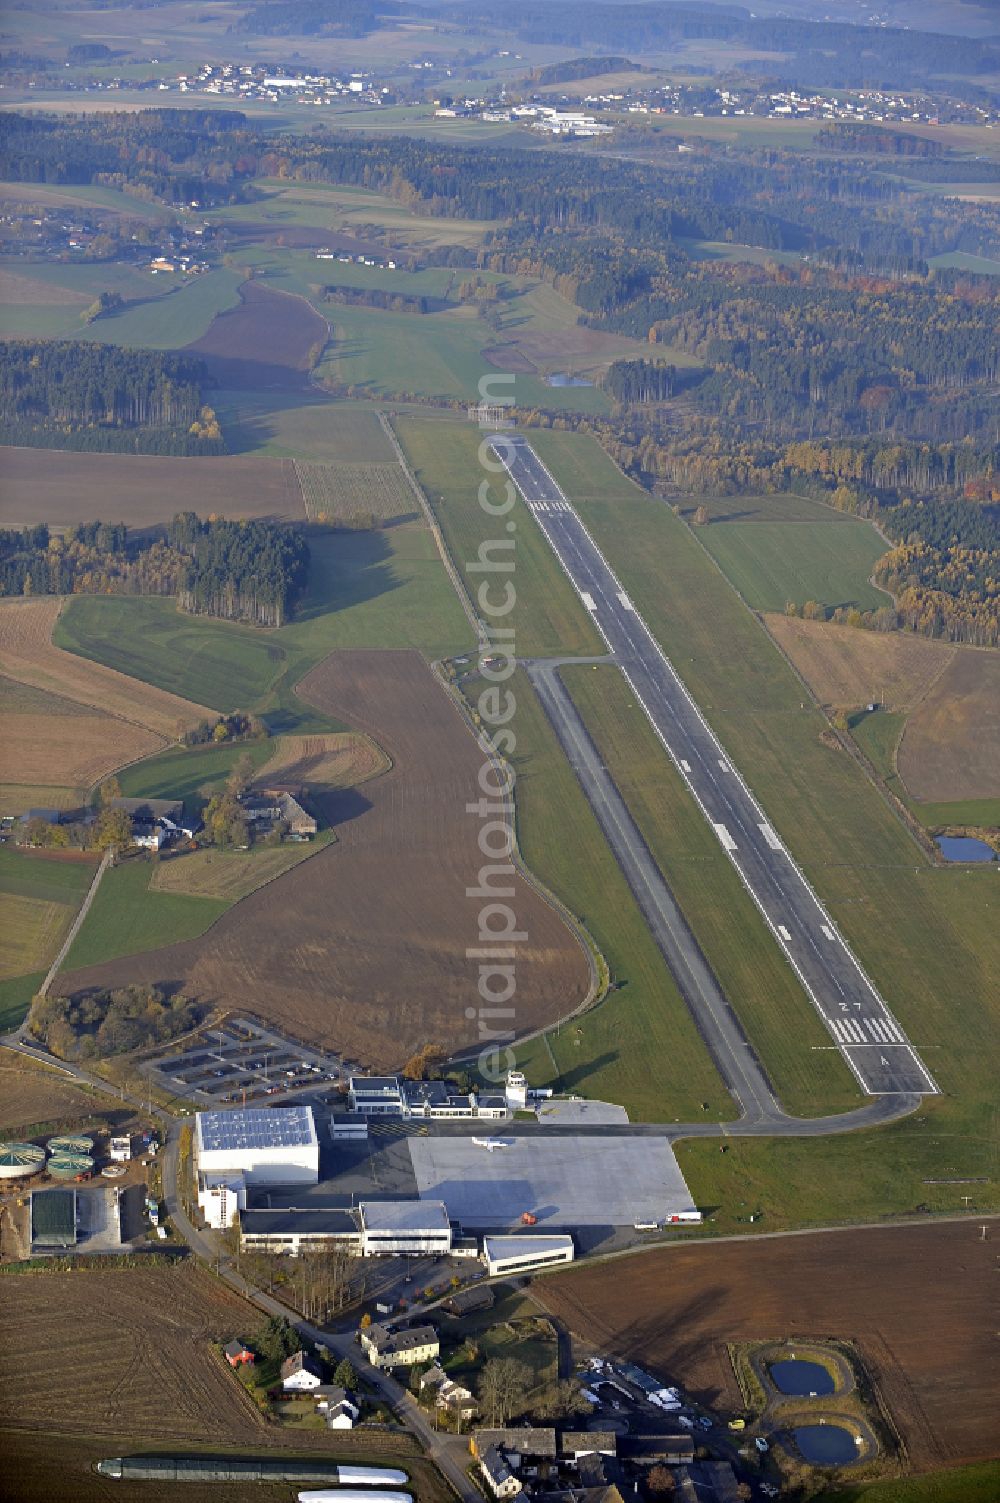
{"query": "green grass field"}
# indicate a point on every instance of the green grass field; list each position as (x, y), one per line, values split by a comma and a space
(38, 901)
(430, 355)
(370, 589)
(928, 936)
(771, 563)
(127, 917)
(967, 1484)
(639, 1046)
(315, 428)
(162, 312)
(189, 772)
(780, 1022)
(547, 617)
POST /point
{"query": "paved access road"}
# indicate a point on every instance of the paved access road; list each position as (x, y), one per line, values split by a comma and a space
(858, 1020)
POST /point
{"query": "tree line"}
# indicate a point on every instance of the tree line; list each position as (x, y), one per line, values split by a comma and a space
(103, 1022)
(74, 394)
(241, 571)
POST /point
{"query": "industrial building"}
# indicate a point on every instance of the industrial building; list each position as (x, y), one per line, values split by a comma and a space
(53, 1220)
(412, 1228)
(509, 1255)
(251, 1147)
(293, 1231)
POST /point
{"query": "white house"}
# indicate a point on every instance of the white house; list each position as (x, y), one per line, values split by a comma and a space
(342, 1416)
(299, 1374)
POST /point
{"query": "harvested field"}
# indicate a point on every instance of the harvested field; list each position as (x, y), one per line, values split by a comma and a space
(363, 947)
(225, 874)
(131, 1344)
(28, 655)
(950, 749)
(143, 490)
(15, 288)
(31, 930)
(30, 1093)
(919, 1302)
(355, 492)
(74, 751)
(951, 745)
(285, 327)
(845, 667)
(340, 760)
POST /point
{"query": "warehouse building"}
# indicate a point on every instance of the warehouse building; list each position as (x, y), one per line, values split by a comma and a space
(251, 1147)
(411, 1228)
(293, 1231)
(509, 1255)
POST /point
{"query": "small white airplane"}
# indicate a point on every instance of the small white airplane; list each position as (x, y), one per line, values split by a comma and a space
(491, 1144)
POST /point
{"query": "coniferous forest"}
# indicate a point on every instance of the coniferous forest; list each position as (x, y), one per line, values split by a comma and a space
(69, 394)
(241, 571)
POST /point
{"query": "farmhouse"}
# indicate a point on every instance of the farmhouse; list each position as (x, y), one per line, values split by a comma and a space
(524, 1443)
(299, 1373)
(272, 806)
(388, 1349)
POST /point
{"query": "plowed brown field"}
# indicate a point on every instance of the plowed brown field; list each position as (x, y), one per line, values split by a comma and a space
(364, 946)
(28, 655)
(60, 488)
(128, 1351)
(919, 1302)
(266, 341)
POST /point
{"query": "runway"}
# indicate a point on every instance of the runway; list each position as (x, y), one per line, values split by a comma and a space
(857, 1019)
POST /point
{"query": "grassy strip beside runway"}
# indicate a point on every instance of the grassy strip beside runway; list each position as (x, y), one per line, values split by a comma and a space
(810, 1077)
(639, 1046)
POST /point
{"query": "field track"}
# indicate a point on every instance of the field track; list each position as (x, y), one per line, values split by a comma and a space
(919, 1302)
(143, 490)
(363, 947)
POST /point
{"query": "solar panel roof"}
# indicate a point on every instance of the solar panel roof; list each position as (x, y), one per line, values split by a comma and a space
(286, 1127)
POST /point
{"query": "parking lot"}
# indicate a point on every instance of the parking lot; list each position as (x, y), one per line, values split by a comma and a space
(242, 1061)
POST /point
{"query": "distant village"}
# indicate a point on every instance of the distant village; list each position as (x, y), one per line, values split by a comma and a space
(569, 114)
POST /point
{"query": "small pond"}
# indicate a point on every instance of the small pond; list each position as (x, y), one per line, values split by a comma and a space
(801, 1378)
(560, 378)
(826, 1445)
(963, 848)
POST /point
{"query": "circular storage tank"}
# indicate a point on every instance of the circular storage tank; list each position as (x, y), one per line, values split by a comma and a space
(70, 1165)
(71, 1144)
(20, 1159)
